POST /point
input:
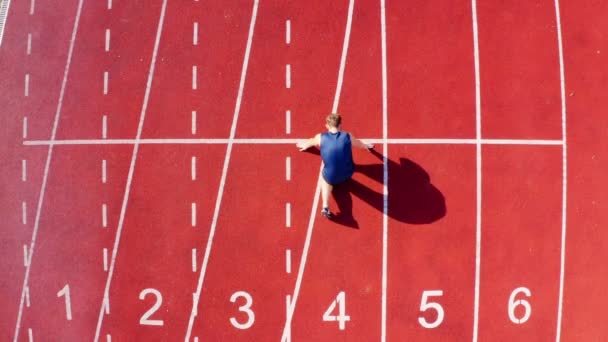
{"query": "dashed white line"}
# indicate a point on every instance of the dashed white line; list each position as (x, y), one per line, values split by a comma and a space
(288, 215)
(30, 335)
(29, 44)
(196, 338)
(104, 171)
(193, 122)
(23, 170)
(105, 260)
(27, 297)
(104, 127)
(288, 122)
(25, 256)
(109, 4)
(23, 212)
(193, 214)
(107, 40)
(193, 168)
(288, 76)
(288, 261)
(25, 127)
(194, 83)
(194, 259)
(26, 91)
(105, 82)
(108, 338)
(104, 215)
(287, 31)
(195, 34)
(288, 168)
(32, 6)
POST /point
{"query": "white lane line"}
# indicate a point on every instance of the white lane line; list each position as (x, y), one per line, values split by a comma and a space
(193, 168)
(287, 306)
(105, 260)
(104, 171)
(193, 214)
(105, 82)
(104, 127)
(23, 212)
(287, 122)
(29, 44)
(26, 91)
(23, 170)
(194, 85)
(385, 172)
(125, 199)
(196, 339)
(106, 305)
(194, 260)
(478, 143)
(25, 256)
(25, 127)
(107, 40)
(288, 168)
(195, 34)
(288, 215)
(30, 335)
(193, 122)
(288, 261)
(109, 4)
(220, 191)
(108, 338)
(349, 21)
(287, 31)
(27, 297)
(32, 6)
(194, 302)
(288, 76)
(562, 79)
(104, 215)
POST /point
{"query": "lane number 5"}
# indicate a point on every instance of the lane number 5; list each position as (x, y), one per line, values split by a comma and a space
(426, 305)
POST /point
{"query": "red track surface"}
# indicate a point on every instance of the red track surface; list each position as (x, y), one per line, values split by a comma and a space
(239, 243)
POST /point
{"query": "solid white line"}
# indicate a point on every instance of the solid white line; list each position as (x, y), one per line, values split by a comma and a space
(194, 260)
(288, 261)
(562, 79)
(194, 301)
(105, 83)
(287, 31)
(287, 306)
(104, 171)
(107, 40)
(104, 127)
(478, 169)
(24, 127)
(23, 212)
(25, 256)
(46, 169)
(27, 85)
(195, 34)
(105, 259)
(385, 172)
(193, 214)
(288, 168)
(32, 6)
(287, 122)
(132, 166)
(288, 76)
(288, 215)
(30, 335)
(27, 297)
(194, 85)
(109, 4)
(193, 122)
(29, 44)
(104, 215)
(23, 170)
(193, 168)
(220, 191)
(351, 6)
(106, 305)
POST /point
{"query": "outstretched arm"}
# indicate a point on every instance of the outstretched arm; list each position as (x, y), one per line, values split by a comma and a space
(360, 144)
(306, 144)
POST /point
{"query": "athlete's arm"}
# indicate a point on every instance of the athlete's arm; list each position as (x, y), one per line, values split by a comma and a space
(360, 144)
(306, 144)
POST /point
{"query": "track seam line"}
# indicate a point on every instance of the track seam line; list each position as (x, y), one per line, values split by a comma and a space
(131, 171)
(220, 193)
(385, 170)
(47, 167)
(564, 171)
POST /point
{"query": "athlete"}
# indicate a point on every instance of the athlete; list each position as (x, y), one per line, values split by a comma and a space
(336, 152)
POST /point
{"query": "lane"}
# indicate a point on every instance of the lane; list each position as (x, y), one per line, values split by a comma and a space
(519, 65)
(431, 243)
(430, 69)
(521, 241)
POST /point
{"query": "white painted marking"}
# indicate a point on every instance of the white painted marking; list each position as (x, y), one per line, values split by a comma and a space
(105, 82)
(27, 85)
(194, 85)
(288, 215)
(23, 212)
(4, 10)
(287, 122)
(194, 302)
(193, 122)
(287, 31)
(195, 34)
(196, 338)
(30, 335)
(104, 215)
(104, 127)
(132, 165)
(478, 168)
(562, 79)
(288, 261)
(385, 170)
(107, 40)
(193, 214)
(220, 191)
(23, 170)
(288, 168)
(104, 171)
(106, 305)
(287, 306)
(32, 6)
(109, 4)
(108, 338)
(193, 259)
(46, 169)
(288, 76)
(24, 127)
(351, 5)
(27, 297)
(25, 256)
(29, 44)
(193, 168)
(105, 259)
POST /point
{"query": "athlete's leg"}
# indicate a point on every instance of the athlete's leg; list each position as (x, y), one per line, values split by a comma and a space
(325, 191)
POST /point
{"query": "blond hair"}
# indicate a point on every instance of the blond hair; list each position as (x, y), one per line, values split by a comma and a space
(333, 120)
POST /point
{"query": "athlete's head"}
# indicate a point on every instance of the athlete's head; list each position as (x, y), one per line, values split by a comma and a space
(333, 120)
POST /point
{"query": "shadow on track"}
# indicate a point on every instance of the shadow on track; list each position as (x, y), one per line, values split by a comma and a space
(412, 197)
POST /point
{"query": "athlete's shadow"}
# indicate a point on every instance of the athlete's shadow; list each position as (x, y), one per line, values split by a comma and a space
(412, 197)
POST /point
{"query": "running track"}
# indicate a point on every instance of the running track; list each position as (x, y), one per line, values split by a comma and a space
(150, 188)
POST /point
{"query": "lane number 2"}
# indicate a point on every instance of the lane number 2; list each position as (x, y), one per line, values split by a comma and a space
(246, 308)
(145, 319)
(341, 318)
(514, 303)
(426, 305)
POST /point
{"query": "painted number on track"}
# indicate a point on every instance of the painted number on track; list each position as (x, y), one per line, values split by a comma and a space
(246, 308)
(145, 319)
(425, 305)
(342, 318)
(65, 291)
(514, 303)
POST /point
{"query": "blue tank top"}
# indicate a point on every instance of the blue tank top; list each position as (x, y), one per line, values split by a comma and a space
(336, 152)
